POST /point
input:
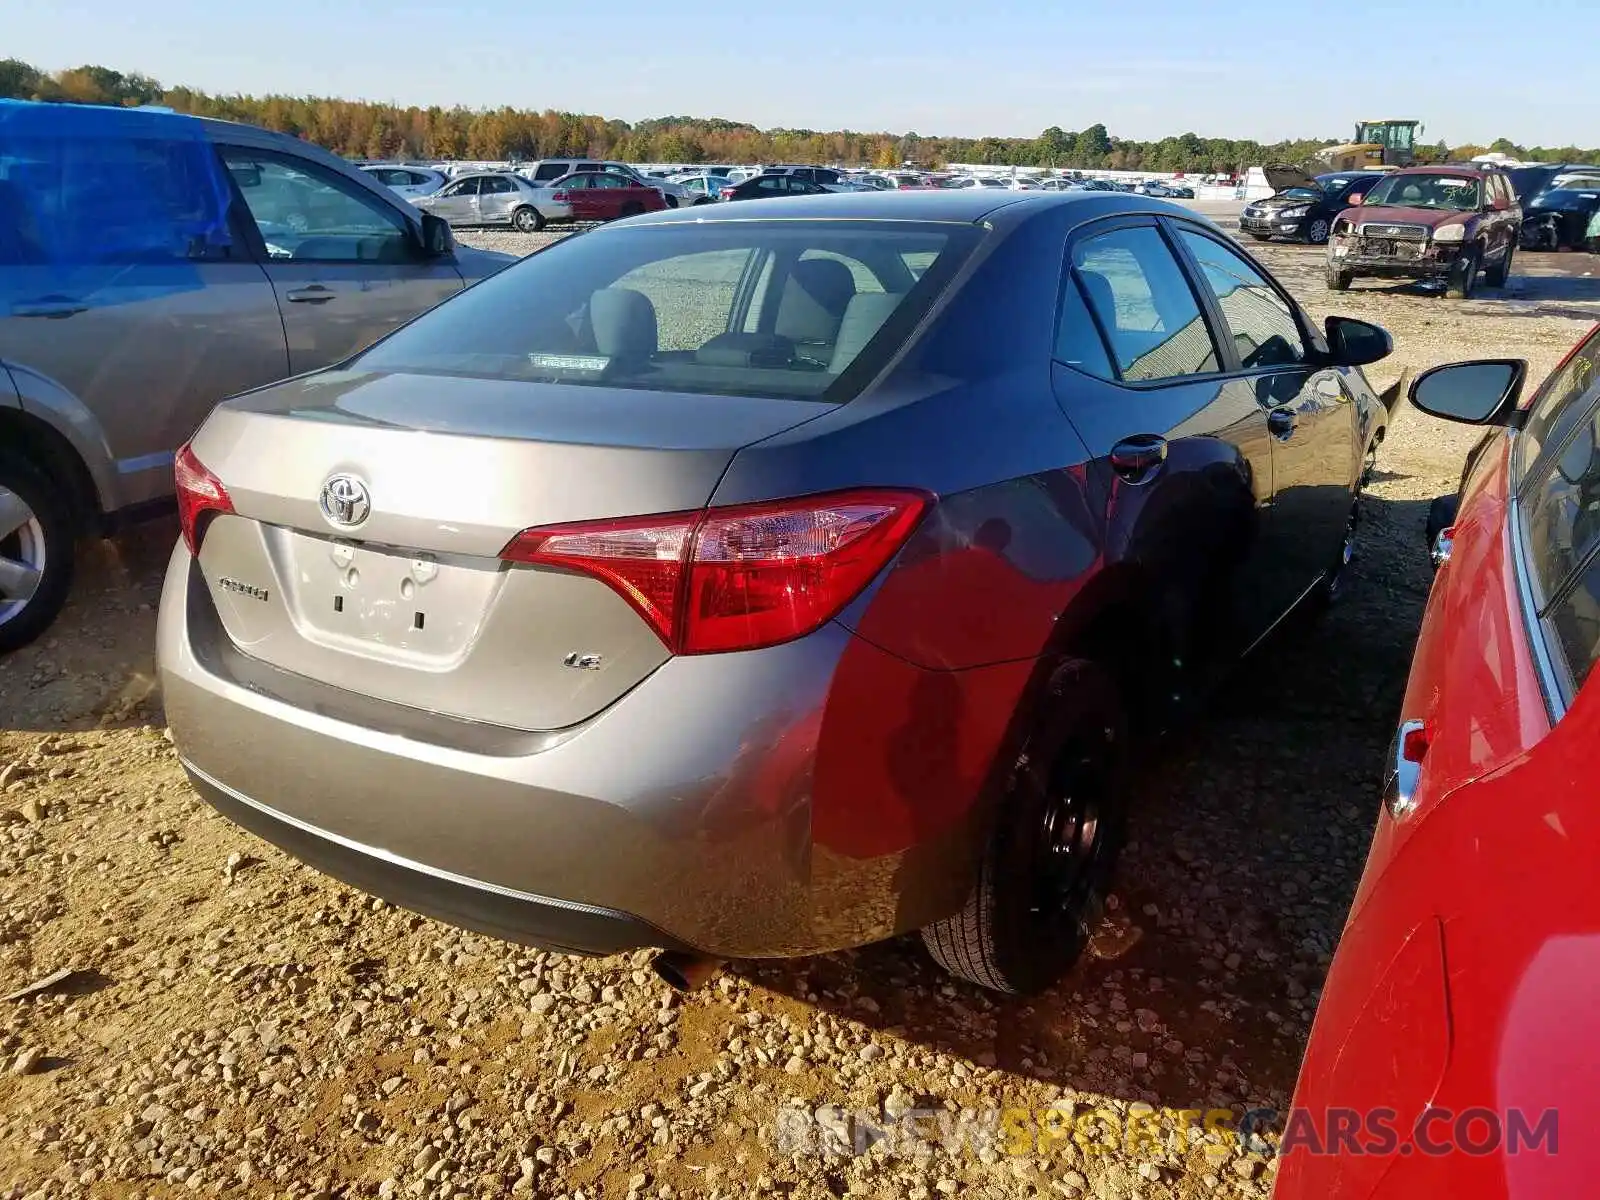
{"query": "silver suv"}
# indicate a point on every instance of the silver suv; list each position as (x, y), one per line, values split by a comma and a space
(151, 265)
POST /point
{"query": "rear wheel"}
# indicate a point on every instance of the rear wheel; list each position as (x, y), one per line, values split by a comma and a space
(1496, 277)
(1059, 827)
(1339, 281)
(527, 220)
(37, 552)
(1317, 232)
(1463, 277)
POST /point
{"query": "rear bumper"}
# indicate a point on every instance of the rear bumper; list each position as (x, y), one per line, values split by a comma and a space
(740, 805)
(470, 903)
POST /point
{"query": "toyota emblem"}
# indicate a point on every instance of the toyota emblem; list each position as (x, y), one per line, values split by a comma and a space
(345, 501)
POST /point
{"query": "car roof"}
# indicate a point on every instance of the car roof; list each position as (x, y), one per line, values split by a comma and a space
(1446, 169)
(965, 205)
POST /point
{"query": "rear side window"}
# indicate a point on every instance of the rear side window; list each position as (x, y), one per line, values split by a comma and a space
(1078, 343)
(743, 308)
(1557, 406)
(550, 170)
(108, 198)
(1144, 305)
(1259, 320)
(1564, 509)
(1575, 619)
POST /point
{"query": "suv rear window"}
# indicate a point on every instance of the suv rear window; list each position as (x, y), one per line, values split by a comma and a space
(746, 308)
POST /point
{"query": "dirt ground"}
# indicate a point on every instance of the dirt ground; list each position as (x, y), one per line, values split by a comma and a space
(237, 1025)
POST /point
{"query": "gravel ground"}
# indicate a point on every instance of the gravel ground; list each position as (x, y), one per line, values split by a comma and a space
(236, 1024)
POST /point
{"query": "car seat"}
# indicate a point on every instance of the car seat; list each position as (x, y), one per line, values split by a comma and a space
(864, 315)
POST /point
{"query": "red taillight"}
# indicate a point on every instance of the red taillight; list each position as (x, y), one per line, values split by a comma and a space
(199, 492)
(736, 578)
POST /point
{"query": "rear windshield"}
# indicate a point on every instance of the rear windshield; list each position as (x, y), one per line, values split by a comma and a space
(787, 309)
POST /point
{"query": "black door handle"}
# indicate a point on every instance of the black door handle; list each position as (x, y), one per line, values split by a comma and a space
(1138, 458)
(1280, 421)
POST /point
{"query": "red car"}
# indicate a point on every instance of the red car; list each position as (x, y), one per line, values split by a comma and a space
(1456, 1050)
(600, 196)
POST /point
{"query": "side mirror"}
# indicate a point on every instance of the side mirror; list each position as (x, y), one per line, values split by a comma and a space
(1474, 393)
(437, 240)
(1355, 199)
(1353, 343)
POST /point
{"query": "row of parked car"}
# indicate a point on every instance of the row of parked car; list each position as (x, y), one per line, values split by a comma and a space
(540, 193)
(667, 560)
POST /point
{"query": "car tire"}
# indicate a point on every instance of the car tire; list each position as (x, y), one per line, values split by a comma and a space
(1463, 278)
(1331, 589)
(1059, 826)
(1496, 277)
(1339, 281)
(37, 537)
(527, 220)
(1317, 232)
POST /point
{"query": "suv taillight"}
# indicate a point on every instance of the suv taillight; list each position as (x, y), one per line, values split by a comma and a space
(199, 492)
(736, 578)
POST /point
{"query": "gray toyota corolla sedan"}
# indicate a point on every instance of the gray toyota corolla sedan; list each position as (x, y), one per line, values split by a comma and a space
(763, 581)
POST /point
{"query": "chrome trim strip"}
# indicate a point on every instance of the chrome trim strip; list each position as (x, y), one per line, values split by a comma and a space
(395, 859)
(1544, 665)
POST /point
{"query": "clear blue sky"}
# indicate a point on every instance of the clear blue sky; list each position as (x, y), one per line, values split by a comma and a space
(1469, 70)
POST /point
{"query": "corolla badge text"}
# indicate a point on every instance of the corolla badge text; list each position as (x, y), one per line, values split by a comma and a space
(345, 501)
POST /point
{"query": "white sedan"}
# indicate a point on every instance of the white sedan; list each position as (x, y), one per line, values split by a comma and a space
(409, 182)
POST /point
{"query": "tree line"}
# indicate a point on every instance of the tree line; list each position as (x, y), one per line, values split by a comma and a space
(360, 129)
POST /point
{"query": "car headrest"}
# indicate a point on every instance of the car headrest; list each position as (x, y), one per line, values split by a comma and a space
(863, 317)
(814, 300)
(624, 323)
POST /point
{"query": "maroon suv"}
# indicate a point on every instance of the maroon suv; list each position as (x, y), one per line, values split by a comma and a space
(1441, 224)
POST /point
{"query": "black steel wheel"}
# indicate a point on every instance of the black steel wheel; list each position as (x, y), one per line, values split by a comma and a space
(1054, 844)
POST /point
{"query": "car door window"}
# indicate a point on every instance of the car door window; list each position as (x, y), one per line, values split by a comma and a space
(1563, 512)
(495, 186)
(307, 214)
(467, 187)
(1558, 406)
(547, 171)
(771, 183)
(1259, 320)
(1078, 343)
(1143, 304)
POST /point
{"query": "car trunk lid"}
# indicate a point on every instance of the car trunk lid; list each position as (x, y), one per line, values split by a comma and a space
(413, 604)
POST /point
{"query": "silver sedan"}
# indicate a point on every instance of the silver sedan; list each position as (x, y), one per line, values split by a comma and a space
(496, 198)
